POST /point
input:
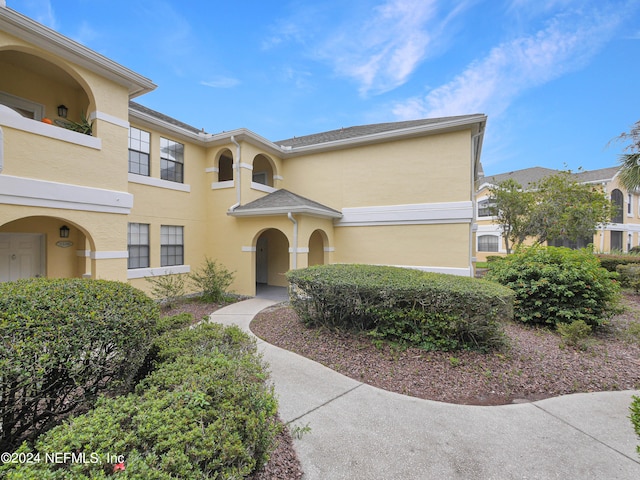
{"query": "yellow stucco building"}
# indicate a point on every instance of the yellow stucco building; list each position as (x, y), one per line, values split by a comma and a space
(145, 195)
(621, 234)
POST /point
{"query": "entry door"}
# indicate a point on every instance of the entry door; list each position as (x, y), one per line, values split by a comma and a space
(20, 256)
(262, 260)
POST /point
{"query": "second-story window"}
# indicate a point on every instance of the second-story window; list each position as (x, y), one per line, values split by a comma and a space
(138, 151)
(171, 160)
(486, 208)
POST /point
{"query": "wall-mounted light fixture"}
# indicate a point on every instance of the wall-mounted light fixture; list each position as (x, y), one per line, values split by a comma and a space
(62, 111)
(64, 231)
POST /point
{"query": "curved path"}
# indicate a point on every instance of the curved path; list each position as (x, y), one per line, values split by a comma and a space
(362, 432)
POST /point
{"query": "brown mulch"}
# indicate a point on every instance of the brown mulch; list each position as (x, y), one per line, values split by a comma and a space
(535, 366)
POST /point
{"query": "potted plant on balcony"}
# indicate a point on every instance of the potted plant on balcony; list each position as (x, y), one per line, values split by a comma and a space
(83, 126)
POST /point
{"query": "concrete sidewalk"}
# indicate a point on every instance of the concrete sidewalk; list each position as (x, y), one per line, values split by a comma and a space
(362, 432)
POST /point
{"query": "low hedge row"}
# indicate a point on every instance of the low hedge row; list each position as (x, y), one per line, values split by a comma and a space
(62, 343)
(611, 261)
(204, 412)
(429, 310)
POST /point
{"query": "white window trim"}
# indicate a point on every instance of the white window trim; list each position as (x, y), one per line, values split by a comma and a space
(157, 271)
(478, 217)
(158, 182)
(22, 103)
(629, 205)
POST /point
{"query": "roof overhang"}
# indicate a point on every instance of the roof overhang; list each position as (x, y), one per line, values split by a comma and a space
(51, 41)
(304, 210)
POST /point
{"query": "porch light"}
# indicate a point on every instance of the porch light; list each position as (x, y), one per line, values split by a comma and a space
(64, 231)
(62, 111)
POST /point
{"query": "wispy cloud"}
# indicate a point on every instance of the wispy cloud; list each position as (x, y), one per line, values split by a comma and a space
(490, 84)
(377, 47)
(42, 12)
(221, 82)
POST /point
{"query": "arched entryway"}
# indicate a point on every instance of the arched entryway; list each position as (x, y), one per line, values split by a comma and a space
(42, 246)
(317, 242)
(272, 258)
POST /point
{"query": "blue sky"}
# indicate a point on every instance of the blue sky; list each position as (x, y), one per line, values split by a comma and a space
(558, 79)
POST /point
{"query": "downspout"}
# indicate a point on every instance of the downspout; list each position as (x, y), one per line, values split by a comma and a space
(237, 177)
(473, 198)
(295, 240)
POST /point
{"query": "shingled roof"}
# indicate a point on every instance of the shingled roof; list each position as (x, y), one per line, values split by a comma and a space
(282, 202)
(162, 116)
(364, 130)
(527, 176)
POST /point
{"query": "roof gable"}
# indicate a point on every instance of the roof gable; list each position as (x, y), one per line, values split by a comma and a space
(282, 202)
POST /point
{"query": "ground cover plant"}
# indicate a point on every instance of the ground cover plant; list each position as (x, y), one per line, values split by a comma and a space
(62, 343)
(405, 306)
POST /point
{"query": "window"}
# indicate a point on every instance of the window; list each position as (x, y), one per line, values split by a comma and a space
(171, 245)
(138, 245)
(171, 160)
(617, 200)
(616, 241)
(488, 243)
(629, 204)
(225, 168)
(138, 151)
(24, 107)
(485, 208)
(572, 244)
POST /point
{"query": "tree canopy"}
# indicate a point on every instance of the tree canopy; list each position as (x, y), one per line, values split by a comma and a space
(630, 160)
(556, 207)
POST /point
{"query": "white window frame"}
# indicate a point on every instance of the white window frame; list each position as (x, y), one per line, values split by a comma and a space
(14, 102)
(629, 204)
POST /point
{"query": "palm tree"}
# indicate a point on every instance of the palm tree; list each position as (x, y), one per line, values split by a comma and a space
(629, 173)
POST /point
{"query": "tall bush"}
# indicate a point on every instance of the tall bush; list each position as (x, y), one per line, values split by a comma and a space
(430, 310)
(63, 342)
(635, 417)
(557, 285)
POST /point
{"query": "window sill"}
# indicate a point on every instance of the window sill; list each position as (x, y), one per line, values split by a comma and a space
(222, 185)
(157, 271)
(262, 188)
(157, 182)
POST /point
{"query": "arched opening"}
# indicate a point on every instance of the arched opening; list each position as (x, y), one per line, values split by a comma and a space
(263, 170)
(225, 166)
(617, 199)
(35, 87)
(272, 258)
(317, 242)
(42, 246)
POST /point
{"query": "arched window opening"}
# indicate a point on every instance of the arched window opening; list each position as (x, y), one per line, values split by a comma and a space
(617, 199)
(225, 167)
(262, 170)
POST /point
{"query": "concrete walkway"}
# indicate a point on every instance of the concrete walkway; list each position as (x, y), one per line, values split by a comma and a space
(362, 432)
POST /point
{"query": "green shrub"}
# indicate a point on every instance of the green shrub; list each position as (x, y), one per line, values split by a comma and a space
(62, 342)
(212, 280)
(575, 334)
(169, 290)
(205, 413)
(409, 307)
(635, 418)
(629, 275)
(557, 285)
(611, 261)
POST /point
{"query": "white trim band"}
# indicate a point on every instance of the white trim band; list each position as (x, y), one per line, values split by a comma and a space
(105, 117)
(158, 182)
(262, 188)
(40, 193)
(248, 249)
(221, 185)
(157, 271)
(412, 214)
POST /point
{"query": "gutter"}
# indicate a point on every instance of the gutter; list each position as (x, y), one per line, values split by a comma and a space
(474, 225)
(295, 240)
(237, 177)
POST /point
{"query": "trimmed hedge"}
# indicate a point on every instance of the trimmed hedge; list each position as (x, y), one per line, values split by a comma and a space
(629, 275)
(410, 307)
(635, 418)
(205, 412)
(611, 261)
(62, 343)
(557, 285)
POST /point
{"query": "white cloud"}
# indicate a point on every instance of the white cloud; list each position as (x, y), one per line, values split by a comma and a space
(221, 82)
(489, 85)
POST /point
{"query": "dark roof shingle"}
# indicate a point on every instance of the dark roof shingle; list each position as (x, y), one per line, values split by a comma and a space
(283, 201)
